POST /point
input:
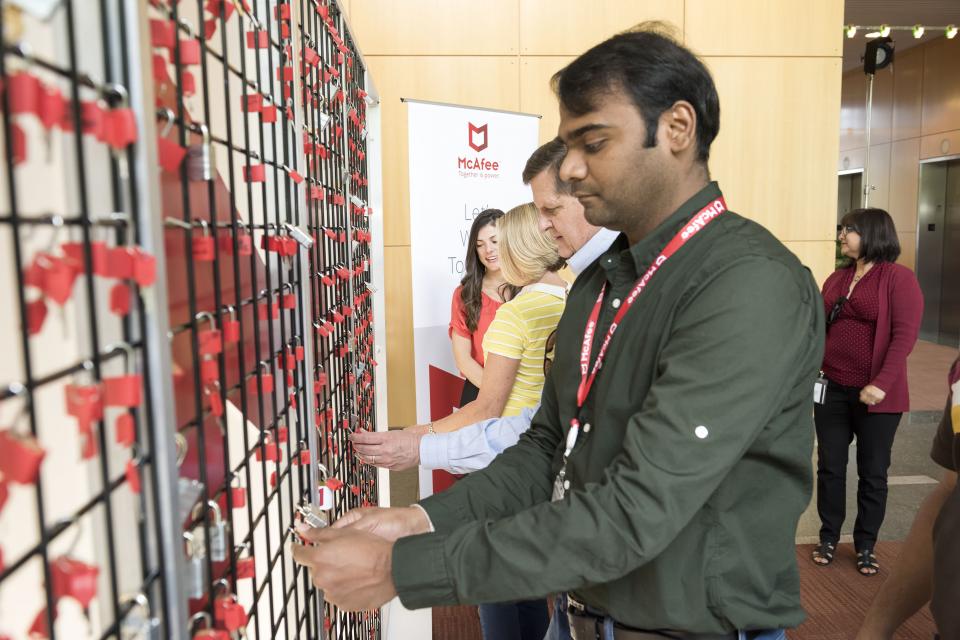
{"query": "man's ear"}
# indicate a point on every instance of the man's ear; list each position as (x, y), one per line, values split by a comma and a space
(678, 128)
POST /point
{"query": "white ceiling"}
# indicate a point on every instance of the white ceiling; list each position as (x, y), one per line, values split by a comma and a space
(895, 12)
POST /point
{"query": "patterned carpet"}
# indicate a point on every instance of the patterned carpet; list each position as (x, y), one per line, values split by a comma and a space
(835, 598)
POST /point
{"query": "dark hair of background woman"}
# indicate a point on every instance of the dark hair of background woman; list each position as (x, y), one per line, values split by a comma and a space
(878, 235)
(473, 272)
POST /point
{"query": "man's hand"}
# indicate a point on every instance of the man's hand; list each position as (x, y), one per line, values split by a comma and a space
(395, 450)
(353, 568)
(871, 395)
(389, 524)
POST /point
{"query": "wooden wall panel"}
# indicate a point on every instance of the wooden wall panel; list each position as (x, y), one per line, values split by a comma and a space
(401, 400)
(772, 157)
(493, 83)
(908, 94)
(851, 159)
(764, 28)
(569, 27)
(941, 86)
(908, 249)
(940, 144)
(853, 109)
(879, 176)
(435, 27)
(904, 183)
(535, 93)
(818, 256)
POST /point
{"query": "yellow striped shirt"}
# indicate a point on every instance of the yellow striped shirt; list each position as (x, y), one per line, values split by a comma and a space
(519, 331)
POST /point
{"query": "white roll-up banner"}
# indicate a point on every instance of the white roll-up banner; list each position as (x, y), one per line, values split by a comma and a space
(462, 160)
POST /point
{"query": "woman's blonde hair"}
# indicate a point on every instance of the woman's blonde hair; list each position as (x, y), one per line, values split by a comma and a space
(526, 252)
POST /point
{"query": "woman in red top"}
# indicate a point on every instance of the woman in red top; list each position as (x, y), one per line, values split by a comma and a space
(475, 302)
(873, 308)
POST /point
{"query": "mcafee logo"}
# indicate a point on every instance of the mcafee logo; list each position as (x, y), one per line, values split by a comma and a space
(478, 137)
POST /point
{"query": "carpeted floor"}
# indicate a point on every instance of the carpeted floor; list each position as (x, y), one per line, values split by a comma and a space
(835, 598)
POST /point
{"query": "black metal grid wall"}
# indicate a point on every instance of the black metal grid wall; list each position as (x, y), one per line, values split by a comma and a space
(265, 265)
(78, 438)
(332, 97)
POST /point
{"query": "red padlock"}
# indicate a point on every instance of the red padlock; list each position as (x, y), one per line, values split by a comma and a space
(334, 483)
(320, 382)
(298, 351)
(189, 52)
(258, 39)
(99, 253)
(163, 33)
(36, 315)
(266, 379)
(255, 173)
(74, 579)
(231, 328)
(239, 496)
(246, 568)
(119, 127)
(24, 93)
(203, 247)
(209, 370)
(282, 433)
(170, 154)
(269, 113)
(120, 263)
(210, 340)
(144, 267)
(212, 391)
(268, 451)
(53, 107)
(20, 457)
(38, 629)
(133, 475)
(251, 103)
(122, 391)
(288, 300)
(53, 275)
(120, 299)
(85, 403)
(126, 429)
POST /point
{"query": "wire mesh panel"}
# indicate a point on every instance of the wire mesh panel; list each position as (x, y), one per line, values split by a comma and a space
(80, 444)
(252, 305)
(233, 204)
(335, 149)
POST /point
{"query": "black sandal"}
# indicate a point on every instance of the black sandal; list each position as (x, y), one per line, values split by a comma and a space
(867, 563)
(823, 553)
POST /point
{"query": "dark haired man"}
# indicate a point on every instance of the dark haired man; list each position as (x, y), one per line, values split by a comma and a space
(661, 491)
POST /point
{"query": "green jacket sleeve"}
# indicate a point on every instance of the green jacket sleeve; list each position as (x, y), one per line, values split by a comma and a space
(733, 355)
(516, 479)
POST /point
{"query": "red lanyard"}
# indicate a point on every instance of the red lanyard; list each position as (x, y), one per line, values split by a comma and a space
(706, 215)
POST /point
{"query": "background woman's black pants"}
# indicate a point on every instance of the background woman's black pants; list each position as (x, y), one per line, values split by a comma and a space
(839, 419)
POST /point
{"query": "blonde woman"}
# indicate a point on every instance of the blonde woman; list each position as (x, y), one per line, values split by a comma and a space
(514, 344)
(513, 376)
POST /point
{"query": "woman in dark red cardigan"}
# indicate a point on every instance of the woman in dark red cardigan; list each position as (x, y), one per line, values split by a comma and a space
(873, 308)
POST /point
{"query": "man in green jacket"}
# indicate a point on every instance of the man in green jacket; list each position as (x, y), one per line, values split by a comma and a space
(661, 482)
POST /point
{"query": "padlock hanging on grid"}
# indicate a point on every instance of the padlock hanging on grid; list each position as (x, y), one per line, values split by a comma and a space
(217, 532)
(196, 577)
(20, 454)
(138, 623)
(208, 632)
(200, 158)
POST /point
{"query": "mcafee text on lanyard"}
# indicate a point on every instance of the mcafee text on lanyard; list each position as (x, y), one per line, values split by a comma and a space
(588, 374)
